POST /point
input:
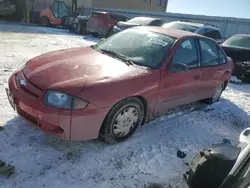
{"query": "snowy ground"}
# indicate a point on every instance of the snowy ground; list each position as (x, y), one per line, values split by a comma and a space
(148, 157)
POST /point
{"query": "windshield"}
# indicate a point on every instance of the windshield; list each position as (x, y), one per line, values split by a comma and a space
(238, 41)
(140, 20)
(180, 26)
(140, 46)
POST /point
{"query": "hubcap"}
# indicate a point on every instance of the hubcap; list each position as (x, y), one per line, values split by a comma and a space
(125, 121)
(217, 93)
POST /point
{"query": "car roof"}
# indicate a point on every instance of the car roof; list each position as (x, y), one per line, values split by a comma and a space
(147, 18)
(242, 35)
(171, 32)
(100, 12)
(196, 24)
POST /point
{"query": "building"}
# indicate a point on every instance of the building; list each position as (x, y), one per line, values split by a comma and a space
(147, 5)
(60, 6)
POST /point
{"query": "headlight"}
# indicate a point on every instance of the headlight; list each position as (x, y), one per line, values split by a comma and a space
(64, 101)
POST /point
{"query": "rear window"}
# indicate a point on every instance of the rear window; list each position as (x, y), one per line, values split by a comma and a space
(238, 41)
(117, 17)
(96, 15)
(213, 33)
(181, 26)
(141, 21)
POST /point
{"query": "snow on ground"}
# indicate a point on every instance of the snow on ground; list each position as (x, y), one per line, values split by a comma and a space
(148, 157)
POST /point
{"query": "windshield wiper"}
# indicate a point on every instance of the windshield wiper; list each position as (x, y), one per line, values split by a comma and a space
(120, 56)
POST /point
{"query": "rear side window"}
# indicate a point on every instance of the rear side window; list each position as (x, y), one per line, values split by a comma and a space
(209, 53)
(212, 33)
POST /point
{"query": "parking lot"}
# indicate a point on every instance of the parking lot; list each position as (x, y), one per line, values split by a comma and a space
(149, 157)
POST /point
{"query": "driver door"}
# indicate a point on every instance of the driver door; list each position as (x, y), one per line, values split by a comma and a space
(180, 86)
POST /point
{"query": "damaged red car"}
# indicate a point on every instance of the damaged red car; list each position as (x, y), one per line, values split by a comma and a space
(110, 89)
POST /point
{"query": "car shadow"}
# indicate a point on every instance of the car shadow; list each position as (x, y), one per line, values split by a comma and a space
(150, 153)
(238, 86)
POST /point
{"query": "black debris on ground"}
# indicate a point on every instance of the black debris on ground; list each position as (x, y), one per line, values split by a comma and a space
(181, 154)
(6, 170)
(1, 128)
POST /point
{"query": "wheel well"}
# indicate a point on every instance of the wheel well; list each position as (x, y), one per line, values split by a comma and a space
(225, 84)
(144, 103)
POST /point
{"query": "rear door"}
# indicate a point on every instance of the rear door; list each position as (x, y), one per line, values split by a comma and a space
(95, 22)
(179, 86)
(214, 67)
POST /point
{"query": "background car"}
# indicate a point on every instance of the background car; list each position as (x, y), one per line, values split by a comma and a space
(98, 23)
(238, 48)
(118, 84)
(138, 21)
(210, 31)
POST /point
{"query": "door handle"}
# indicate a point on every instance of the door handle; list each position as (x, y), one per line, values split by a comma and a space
(197, 77)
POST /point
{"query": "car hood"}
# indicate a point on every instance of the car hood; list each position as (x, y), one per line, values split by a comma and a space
(125, 25)
(74, 69)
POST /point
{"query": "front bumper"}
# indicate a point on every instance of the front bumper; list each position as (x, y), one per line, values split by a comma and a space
(242, 71)
(75, 125)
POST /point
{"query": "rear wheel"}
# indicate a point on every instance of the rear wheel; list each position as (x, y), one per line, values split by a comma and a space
(44, 21)
(216, 96)
(122, 121)
(78, 28)
(65, 22)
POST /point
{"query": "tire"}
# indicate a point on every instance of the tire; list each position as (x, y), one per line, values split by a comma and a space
(65, 22)
(95, 34)
(110, 32)
(44, 21)
(132, 110)
(78, 28)
(216, 96)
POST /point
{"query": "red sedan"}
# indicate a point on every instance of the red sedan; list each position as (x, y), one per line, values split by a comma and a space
(109, 89)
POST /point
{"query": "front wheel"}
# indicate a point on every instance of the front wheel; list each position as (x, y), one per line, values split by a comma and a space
(44, 21)
(122, 121)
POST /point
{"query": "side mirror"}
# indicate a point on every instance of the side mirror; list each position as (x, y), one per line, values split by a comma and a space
(178, 67)
(245, 136)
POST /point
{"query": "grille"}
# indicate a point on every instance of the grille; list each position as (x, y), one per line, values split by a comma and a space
(27, 116)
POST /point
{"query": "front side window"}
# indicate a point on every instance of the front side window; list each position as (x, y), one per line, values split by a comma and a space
(187, 54)
(238, 41)
(180, 26)
(139, 45)
(157, 23)
(209, 53)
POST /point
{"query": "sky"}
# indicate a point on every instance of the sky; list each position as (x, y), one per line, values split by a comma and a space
(225, 8)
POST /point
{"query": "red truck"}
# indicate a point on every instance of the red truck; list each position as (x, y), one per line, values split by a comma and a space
(98, 23)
